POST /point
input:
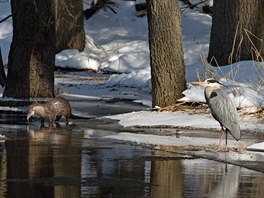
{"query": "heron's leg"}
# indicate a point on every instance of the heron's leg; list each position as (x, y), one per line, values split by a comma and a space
(225, 149)
(220, 139)
(223, 130)
(219, 146)
(226, 136)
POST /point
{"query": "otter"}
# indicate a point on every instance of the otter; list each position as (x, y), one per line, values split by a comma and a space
(51, 110)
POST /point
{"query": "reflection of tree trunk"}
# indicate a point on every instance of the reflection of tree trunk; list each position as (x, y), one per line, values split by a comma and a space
(257, 187)
(65, 161)
(67, 167)
(17, 168)
(25, 163)
(167, 179)
(127, 170)
(29, 162)
(3, 171)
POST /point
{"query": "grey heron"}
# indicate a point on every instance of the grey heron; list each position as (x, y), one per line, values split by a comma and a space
(222, 108)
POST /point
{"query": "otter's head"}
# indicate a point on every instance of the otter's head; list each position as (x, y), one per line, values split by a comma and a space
(34, 109)
(30, 111)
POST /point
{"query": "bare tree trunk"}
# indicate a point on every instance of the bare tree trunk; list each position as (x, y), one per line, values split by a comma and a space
(32, 54)
(237, 31)
(166, 53)
(69, 25)
(2, 71)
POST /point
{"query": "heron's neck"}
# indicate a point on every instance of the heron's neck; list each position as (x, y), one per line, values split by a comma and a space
(208, 91)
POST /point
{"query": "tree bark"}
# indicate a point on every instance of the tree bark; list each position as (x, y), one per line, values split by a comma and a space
(32, 54)
(166, 53)
(69, 25)
(2, 71)
(237, 31)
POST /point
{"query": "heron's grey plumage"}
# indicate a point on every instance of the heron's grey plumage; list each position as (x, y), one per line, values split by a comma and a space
(223, 110)
(222, 107)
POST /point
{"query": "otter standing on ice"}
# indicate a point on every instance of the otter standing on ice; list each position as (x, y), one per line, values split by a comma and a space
(52, 110)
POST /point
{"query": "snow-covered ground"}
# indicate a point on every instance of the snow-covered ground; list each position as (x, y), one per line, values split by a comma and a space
(119, 43)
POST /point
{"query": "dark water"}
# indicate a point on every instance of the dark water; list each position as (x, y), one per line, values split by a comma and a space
(74, 162)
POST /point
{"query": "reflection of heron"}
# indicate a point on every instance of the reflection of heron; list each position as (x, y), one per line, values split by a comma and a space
(227, 185)
(221, 107)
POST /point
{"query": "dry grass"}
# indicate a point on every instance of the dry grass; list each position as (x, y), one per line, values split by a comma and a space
(211, 72)
(210, 148)
(259, 113)
(201, 108)
(192, 107)
(230, 77)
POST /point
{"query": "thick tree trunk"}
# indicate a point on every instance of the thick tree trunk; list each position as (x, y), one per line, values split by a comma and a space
(166, 53)
(2, 71)
(32, 54)
(237, 31)
(69, 25)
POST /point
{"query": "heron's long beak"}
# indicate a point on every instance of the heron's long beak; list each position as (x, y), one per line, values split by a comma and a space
(198, 83)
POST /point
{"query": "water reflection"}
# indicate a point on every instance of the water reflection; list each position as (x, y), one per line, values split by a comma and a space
(167, 179)
(45, 165)
(59, 162)
(228, 183)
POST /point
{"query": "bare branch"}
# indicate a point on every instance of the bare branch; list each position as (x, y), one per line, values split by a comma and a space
(4, 19)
